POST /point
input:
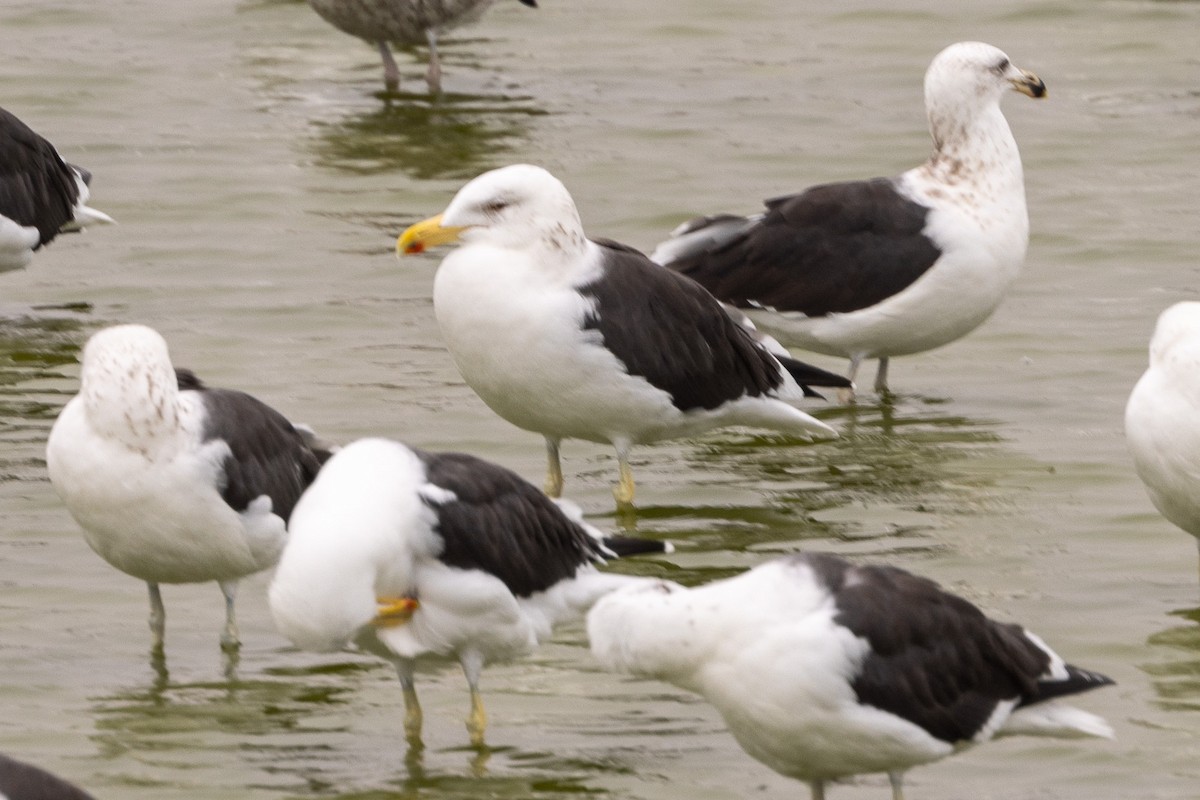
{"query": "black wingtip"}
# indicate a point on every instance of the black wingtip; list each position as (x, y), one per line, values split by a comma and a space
(624, 546)
(1078, 680)
(188, 379)
(530, 3)
(807, 375)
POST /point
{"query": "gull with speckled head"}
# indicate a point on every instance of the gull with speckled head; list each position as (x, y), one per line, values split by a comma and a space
(41, 195)
(414, 555)
(890, 266)
(824, 669)
(171, 480)
(1162, 418)
(575, 338)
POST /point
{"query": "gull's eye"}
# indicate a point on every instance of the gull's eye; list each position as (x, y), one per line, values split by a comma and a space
(1002, 67)
(494, 207)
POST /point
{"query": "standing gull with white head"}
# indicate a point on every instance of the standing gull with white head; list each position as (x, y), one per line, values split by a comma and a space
(587, 339)
(890, 266)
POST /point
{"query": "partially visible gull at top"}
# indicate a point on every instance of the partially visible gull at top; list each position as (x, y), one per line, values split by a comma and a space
(171, 480)
(576, 338)
(416, 555)
(405, 22)
(41, 195)
(890, 266)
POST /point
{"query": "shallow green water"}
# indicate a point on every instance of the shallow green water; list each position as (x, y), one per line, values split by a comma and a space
(259, 182)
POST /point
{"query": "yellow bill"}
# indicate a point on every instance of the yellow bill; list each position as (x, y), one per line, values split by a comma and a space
(425, 234)
(394, 611)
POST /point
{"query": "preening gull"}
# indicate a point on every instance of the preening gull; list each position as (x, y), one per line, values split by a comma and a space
(580, 339)
(21, 781)
(173, 481)
(890, 266)
(823, 669)
(407, 22)
(1162, 418)
(411, 554)
(41, 195)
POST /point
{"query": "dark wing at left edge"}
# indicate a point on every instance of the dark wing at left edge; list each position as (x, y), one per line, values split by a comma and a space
(667, 329)
(268, 455)
(503, 525)
(21, 781)
(36, 186)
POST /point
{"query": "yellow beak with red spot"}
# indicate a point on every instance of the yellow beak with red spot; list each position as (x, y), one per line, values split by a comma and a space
(392, 612)
(425, 234)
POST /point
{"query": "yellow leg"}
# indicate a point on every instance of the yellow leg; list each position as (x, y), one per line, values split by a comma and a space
(394, 611)
(413, 718)
(846, 395)
(477, 722)
(554, 476)
(623, 491)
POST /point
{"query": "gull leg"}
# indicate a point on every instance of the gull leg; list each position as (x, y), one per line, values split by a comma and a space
(433, 75)
(818, 790)
(554, 476)
(624, 489)
(846, 396)
(472, 664)
(413, 718)
(158, 616)
(897, 779)
(229, 636)
(881, 386)
(391, 73)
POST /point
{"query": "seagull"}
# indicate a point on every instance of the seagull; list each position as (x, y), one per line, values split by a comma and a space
(889, 266)
(406, 22)
(412, 554)
(587, 339)
(173, 481)
(824, 669)
(21, 781)
(41, 195)
(1162, 418)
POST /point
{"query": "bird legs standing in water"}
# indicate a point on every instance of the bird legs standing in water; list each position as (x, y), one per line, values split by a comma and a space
(623, 491)
(413, 718)
(881, 376)
(895, 778)
(391, 73)
(433, 74)
(472, 666)
(229, 636)
(158, 616)
(390, 612)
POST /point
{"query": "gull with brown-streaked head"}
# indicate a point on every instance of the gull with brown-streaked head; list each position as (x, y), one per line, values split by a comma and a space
(890, 266)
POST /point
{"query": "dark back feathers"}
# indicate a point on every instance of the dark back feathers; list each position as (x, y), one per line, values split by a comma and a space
(267, 454)
(838, 247)
(503, 525)
(669, 330)
(935, 659)
(36, 186)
